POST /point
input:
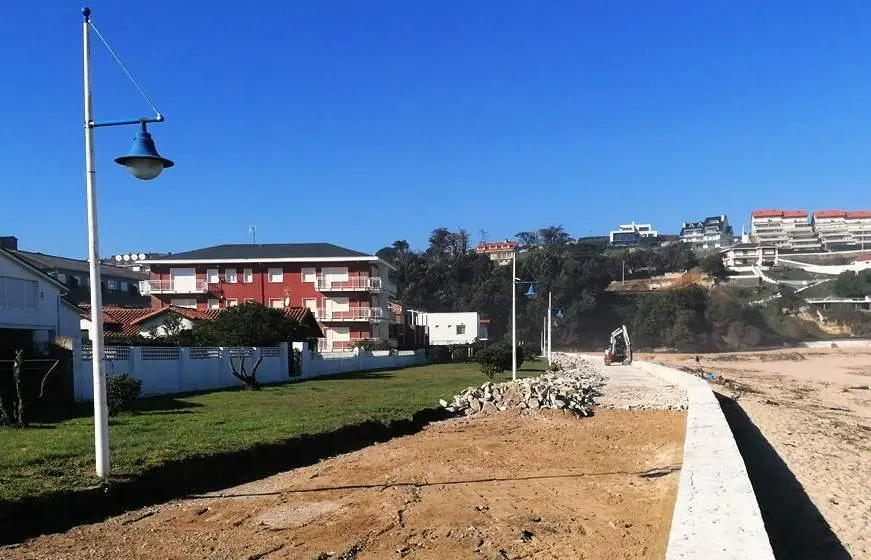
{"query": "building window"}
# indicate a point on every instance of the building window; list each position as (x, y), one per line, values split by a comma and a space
(212, 276)
(230, 275)
(276, 303)
(276, 275)
(232, 303)
(189, 303)
(17, 293)
(214, 304)
(461, 329)
(61, 277)
(248, 276)
(309, 274)
(113, 285)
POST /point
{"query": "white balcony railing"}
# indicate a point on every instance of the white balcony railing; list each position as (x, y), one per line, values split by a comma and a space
(352, 284)
(352, 314)
(147, 287)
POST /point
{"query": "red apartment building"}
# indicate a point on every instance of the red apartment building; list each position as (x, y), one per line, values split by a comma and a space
(499, 251)
(348, 291)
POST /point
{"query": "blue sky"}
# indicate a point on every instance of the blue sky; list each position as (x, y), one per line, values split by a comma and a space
(360, 123)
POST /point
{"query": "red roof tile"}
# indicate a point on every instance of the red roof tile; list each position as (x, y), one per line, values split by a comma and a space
(795, 213)
(767, 213)
(859, 214)
(830, 214)
(863, 258)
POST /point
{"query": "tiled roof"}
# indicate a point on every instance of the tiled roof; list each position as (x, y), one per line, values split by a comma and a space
(53, 262)
(830, 214)
(126, 320)
(863, 258)
(767, 213)
(263, 251)
(795, 213)
(858, 214)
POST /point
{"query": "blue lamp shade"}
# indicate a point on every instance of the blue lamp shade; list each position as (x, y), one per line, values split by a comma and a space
(531, 291)
(143, 161)
(559, 314)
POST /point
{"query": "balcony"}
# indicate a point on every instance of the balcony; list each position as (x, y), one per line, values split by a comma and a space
(354, 314)
(187, 286)
(371, 284)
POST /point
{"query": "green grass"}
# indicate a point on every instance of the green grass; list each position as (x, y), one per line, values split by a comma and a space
(819, 291)
(60, 456)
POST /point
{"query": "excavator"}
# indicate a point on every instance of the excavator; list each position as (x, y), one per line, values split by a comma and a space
(620, 349)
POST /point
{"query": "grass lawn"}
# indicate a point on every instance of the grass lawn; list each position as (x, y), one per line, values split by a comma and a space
(60, 456)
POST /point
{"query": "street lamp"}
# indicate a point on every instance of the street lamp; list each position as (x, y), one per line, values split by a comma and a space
(531, 293)
(143, 162)
(551, 313)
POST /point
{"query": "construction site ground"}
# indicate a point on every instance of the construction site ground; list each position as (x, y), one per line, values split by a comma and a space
(802, 420)
(515, 484)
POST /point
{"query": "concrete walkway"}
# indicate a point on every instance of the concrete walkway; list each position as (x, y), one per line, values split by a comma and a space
(716, 514)
(632, 388)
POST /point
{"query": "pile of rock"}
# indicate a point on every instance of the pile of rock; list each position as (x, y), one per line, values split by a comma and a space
(572, 388)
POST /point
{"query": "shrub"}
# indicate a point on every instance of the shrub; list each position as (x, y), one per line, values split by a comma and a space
(121, 390)
(370, 344)
(531, 350)
(439, 354)
(496, 358)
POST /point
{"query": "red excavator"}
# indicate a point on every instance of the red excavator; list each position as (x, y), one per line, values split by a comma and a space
(620, 350)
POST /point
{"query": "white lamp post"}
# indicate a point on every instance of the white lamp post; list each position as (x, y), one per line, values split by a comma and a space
(515, 281)
(143, 162)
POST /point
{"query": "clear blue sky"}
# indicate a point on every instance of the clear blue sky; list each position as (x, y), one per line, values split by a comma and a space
(360, 123)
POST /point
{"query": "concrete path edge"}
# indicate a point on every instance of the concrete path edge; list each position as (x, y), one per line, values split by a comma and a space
(716, 514)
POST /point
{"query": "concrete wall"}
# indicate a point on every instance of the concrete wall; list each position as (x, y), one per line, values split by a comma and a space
(314, 364)
(167, 370)
(716, 514)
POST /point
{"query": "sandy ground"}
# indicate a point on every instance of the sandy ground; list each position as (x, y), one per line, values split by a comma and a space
(509, 485)
(813, 409)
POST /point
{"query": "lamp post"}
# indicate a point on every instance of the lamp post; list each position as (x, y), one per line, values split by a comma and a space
(143, 162)
(550, 316)
(515, 281)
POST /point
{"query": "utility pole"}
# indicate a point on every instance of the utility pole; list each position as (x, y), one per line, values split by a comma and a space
(252, 229)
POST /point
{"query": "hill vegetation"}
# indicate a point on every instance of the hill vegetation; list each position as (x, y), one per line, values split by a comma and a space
(446, 276)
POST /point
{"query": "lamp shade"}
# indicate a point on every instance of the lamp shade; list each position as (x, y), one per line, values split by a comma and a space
(559, 314)
(143, 161)
(531, 291)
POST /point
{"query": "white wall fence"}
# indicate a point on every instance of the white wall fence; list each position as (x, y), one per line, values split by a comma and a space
(167, 370)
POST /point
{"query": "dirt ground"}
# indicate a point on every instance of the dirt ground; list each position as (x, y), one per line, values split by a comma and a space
(814, 409)
(510, 485)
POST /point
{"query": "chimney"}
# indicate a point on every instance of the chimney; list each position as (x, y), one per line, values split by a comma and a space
(9, 242)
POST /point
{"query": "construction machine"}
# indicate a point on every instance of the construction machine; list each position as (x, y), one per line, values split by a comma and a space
(620, 349)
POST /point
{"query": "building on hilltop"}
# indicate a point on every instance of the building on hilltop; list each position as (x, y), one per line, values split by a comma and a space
(713, 232)
(347, 291)
(787, 229)
(746, 256)
(843, 229)
(499, 252)
(631, 234)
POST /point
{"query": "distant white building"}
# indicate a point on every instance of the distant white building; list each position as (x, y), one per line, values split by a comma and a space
(455, 328)
(713, 232)
(630, 234)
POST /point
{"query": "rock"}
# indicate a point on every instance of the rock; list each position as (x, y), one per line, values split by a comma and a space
(489, 408)
(443, 403)
(474, 405)
(533, 403)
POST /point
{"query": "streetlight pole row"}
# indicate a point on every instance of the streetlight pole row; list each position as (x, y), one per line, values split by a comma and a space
(515, 281)
(143, 162)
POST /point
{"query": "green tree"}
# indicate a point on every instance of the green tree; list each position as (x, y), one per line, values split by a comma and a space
(713, 266)
(852, 285)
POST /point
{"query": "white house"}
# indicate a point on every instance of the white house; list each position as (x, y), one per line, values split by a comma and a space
(455, 328)
(31, 302)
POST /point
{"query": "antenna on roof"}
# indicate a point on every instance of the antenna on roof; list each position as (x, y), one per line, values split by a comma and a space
(483, 235)
(252, 229)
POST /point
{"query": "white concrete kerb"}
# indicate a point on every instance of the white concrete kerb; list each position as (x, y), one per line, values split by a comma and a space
(716, 514)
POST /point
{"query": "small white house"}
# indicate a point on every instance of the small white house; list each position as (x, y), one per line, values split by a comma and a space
(455, 328)
(31, 302)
